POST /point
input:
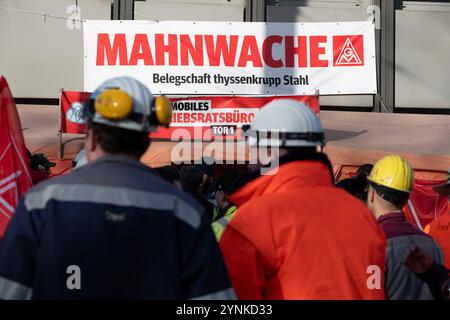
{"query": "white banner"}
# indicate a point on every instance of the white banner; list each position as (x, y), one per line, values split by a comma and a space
(184, 57)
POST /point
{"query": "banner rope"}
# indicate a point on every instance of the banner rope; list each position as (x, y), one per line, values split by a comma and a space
(45, 15)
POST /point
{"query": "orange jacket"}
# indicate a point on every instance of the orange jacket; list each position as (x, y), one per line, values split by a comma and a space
(296, 236)
(439, 230)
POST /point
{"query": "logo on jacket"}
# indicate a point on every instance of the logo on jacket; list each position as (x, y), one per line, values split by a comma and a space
(115, 217)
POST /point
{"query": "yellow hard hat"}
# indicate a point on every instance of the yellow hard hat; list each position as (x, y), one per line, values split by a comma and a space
(393, 172)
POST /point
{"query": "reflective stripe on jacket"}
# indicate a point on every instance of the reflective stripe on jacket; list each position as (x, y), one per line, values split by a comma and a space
(129, 234)
(221, 224)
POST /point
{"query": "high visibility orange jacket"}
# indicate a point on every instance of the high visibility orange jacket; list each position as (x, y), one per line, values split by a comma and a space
(296, 236)
(439, 230)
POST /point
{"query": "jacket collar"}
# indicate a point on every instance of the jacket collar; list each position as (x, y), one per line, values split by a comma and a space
(119, 158)
(394, 224)
(295, 172)
(228, 210)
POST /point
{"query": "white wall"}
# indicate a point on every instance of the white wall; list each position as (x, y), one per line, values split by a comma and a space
(324, 11)
(422, 50)
(200, 10)
(38, 58)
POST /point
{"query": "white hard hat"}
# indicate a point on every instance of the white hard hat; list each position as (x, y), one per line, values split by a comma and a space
(126, 103)
(285, 123)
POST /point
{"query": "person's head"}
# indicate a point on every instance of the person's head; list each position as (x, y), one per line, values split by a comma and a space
(208, 168)
(223, 189)
(358, 185)
(119, 116)
(353, 186)
(390, 184)
(364, 170)
(282, 127)
(191, 179)
(221, 198)
(102, 140)
(444, 188)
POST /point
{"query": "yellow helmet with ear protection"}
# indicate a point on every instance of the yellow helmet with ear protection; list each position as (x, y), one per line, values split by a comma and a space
(126, 103)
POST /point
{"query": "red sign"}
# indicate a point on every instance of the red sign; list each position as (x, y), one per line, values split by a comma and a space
(15, 177)
(238, 58)
(113, 51)
(348, 50)
(201, 118)
(205, 118)
(71, 111)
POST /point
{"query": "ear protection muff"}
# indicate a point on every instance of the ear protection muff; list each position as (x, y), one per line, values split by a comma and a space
(113, 104)
(162, 111)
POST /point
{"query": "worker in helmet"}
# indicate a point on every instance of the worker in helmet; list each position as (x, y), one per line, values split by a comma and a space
(226, 208)
(439, 229)
(112, 229)
(390, 184)
(295, 235)
(193, 183)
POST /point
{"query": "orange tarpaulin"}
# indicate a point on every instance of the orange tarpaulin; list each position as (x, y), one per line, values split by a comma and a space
(353, 138)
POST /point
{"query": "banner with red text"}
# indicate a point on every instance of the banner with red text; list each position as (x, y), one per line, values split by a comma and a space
(200, 118)
(15, 177)
(204, 118)
(186, 57)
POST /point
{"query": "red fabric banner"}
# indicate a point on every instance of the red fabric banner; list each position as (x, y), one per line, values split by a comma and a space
(199, 118)
(71, 111)
(206, 118)
(15, 177)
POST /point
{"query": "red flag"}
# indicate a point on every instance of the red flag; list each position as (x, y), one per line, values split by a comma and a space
(71, 111)
(199, 117)
(425, 204)
(15, 177)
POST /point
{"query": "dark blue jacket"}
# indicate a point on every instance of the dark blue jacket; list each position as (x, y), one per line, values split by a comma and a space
(129, 234)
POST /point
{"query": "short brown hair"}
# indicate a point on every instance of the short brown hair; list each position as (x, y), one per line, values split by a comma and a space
(120, 141)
